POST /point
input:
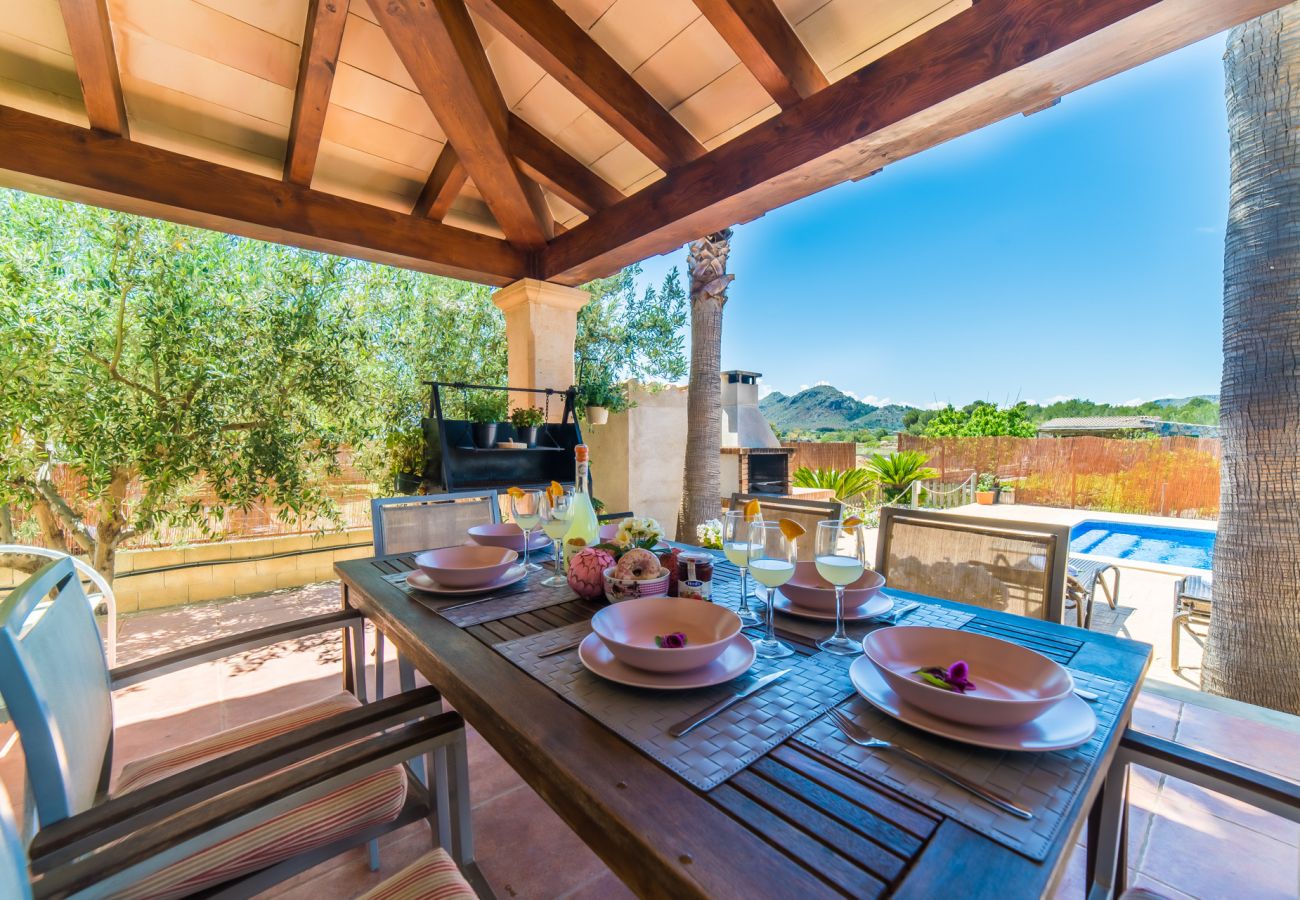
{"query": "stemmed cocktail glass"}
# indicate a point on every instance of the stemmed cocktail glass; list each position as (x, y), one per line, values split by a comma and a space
(526, 509)
(772, 559)
(557, 511)
(841, 558)
(735, 545)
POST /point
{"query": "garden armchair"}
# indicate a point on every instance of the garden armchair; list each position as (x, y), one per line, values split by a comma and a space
(1085, 576)
(806, 512)
(237, 811)
(28, 559)
(1193, 601)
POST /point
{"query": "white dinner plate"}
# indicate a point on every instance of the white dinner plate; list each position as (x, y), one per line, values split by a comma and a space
(734, 662)
(420, 581)
(1067, 724)
(876, 606)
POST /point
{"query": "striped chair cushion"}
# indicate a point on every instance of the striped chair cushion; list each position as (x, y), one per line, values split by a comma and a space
(433, 876)
(369, 801)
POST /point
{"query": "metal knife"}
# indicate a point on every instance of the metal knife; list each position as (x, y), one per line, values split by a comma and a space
(725, 704)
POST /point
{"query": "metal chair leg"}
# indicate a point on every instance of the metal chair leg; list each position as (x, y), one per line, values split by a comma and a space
(379, 664)
(373, 849)
(462, 833)
(358, 632)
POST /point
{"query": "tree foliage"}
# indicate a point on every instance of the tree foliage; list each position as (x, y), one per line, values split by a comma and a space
(896, 472)
(980, 419)
(846, 483)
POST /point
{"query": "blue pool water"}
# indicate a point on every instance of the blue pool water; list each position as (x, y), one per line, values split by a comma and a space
(1191, 547)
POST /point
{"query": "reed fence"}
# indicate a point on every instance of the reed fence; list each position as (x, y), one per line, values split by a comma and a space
(838, 455)
(1174, 476)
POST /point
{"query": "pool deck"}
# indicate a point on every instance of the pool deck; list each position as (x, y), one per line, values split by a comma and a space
(1059, 515)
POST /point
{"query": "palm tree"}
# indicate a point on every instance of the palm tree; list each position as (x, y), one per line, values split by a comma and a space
(1255, 631)
(846, 484)
(706, 266)
(896, 472)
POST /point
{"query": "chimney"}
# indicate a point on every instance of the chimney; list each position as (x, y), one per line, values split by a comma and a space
(753, 460)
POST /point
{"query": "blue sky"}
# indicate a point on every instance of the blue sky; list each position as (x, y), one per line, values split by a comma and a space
(1076, 252)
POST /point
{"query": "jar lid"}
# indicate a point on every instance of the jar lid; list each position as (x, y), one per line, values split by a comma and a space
(695, 556)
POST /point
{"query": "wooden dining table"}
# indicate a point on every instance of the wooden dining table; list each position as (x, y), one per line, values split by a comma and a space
(793, 823)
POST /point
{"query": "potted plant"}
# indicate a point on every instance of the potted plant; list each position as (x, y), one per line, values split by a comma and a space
(527, 419)
(484, 413)
(405, 459)
(986, 489)
(1006, 492)
(600, 397)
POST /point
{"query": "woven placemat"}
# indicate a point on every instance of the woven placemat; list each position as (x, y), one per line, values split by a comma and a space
(1044, 783)
(714, 751)
(521, 597)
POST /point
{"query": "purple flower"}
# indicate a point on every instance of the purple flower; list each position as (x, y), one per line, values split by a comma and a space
(674, 641)
(954, 678)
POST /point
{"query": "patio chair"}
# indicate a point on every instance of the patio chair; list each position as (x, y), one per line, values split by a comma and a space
(415, 523)
(1193, 598)
(1084, 576)
(28, 559)
(235, 812)
(1017, 567)
(806, 512)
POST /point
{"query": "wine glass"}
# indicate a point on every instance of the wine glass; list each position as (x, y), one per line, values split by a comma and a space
(526, 510)
(735, 545)
(772, 558)
(557, 512)
(841, 558)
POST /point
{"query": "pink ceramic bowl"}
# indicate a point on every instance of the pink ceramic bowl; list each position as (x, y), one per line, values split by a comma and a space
(629, 629)
(811, 591)
(467, 566)
(620, 589)
(1012, 684)
(508, 535)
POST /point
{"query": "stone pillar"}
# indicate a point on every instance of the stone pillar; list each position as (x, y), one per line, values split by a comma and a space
(541, 327)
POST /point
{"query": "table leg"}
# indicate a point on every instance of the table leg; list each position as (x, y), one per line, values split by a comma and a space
(1107, 851)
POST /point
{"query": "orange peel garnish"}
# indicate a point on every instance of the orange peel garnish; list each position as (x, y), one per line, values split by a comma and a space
(851, 523)
(753, 509)
(792, 529)
(517, 493)
(555, 490)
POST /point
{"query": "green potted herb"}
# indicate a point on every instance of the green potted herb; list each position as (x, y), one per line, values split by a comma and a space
(527, 419)
(600, 397)
(485, 412)
(986, 489)
(405, 459)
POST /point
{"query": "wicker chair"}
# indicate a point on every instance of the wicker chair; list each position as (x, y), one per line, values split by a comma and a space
(1016, 567)
(1193, 598)
(806, 512)
(237, 811)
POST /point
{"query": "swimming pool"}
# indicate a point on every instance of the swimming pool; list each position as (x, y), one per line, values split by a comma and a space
(1191, 547)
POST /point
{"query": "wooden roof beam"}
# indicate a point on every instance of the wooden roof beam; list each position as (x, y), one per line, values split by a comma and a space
(320, 56)
(572, 57)
(443, 187)
(45, 156)
(436, 41)
(982, 65)
(91, 38)
(543, 161)
(762, 37)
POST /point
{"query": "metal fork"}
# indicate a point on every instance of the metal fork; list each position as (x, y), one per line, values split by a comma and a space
(860, 736)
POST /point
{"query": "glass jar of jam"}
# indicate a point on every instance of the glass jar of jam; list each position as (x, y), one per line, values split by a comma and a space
(695, 574)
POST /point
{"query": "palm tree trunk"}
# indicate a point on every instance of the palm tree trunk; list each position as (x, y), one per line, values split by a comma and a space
(1255, 629)
(706, 265)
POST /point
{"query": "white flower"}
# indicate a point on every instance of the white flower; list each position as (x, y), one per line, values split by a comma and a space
(635, 531)
(709, 533)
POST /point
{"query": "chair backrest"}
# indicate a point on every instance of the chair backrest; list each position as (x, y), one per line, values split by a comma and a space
(20, 555)
(410, 524)
(1017, 567)
(55, 683)
(806, 512)
(13, 860)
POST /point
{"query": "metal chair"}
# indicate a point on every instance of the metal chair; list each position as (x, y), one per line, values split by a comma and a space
(1085, 575)
(413, 524)
(1017, 567)
(806, 512)
(238, 811)
(1193, 599)
(12, 555)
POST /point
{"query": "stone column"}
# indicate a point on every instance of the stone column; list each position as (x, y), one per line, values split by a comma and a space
(541, 328)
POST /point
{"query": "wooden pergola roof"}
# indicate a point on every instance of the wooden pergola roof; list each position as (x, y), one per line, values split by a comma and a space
(500, 139)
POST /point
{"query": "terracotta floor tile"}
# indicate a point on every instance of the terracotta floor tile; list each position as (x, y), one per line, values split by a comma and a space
(526, 851)
(1156, 714)
(1246, 741)
(185, 689)
(137, 740)
(1212, 858)
(1186, 802)
(1164, 890)
(489, 775)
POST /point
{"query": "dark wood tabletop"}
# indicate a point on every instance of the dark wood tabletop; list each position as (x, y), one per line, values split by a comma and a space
(794, 823)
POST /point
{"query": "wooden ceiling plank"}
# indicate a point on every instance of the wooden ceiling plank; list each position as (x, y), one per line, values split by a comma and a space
(543, 161)
(91, 39)
(320, 55)
(978, 67)
(436, 41)
(88, 166)
(443, 187)
(572, 57)
(758, 32)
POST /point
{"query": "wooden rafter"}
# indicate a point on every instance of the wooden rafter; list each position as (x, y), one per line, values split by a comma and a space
(60, 160)
(989, 62)
(544, 162)
(444, 184)
(436, 41)
(759, 33)
(91, 39)
(572, 57)
(320, 55)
